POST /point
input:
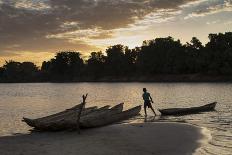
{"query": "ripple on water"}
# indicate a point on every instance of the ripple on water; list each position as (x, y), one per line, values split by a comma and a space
(36, 100)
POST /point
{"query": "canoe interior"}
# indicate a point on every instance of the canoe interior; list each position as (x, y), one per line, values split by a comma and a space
(191, 110)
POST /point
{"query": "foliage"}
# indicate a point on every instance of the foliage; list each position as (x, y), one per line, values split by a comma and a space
(16, 71)
(65, 66)
(155, 57)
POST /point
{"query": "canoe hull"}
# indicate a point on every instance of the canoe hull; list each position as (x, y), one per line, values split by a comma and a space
(109, 118)
(68, 120)
(56, 121)
(186, 111)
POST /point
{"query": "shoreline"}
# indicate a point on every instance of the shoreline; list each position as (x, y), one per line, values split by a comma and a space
(166, 78)
(137, 138)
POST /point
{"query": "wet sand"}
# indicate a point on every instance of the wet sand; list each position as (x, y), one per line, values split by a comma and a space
(120, 139)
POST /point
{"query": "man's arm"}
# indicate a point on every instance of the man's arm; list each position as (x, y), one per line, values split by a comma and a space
(151, 98)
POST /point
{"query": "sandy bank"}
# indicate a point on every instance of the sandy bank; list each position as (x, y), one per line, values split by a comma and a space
(123, 139)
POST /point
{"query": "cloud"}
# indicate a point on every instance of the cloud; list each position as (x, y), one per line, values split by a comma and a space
(83, 34)
(51, 25)
(37, 57)
(228, 23)
(193, 3)
(207, 8)
(212, 22)
(38, 5)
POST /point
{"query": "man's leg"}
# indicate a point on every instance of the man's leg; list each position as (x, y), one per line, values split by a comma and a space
(145, 110)
(153, 110)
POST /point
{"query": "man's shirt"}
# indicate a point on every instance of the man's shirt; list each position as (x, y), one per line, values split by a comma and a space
(146, 96)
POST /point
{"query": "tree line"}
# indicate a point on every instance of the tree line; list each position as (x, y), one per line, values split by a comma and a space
(160, 56)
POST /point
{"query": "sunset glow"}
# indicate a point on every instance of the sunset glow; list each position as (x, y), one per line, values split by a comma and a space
(34, 30)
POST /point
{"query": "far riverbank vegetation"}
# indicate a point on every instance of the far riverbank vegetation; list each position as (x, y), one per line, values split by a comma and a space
(161, 59)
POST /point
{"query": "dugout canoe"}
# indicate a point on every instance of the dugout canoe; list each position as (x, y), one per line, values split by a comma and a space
(66, 113)
(107, 118)
(67, 120)
(60, 115)
(191, 110)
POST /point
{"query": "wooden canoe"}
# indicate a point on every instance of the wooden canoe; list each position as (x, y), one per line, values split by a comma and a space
(186, 111)
(108, 118)
(66, 120)
(56, 116)
(65, 113)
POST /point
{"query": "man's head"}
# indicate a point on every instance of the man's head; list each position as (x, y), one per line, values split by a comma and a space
(144, 89)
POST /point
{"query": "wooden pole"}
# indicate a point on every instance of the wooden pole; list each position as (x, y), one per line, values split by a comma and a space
(79, 112)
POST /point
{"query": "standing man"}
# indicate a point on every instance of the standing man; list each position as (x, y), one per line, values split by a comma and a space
(147, 101)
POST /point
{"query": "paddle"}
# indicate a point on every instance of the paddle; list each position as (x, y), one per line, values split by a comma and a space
(79, 112)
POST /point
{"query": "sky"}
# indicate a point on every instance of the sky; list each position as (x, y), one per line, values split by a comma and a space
(34, 30)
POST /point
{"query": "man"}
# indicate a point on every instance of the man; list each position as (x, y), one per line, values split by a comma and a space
(147, 101)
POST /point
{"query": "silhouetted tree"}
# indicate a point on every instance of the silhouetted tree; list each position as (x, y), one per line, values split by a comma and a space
(95, 64)
(28, 71)
(162, 55)
(154, 57)
(12, 71)
(115, 60)
(21, 72)
(46, 66)
(194, 60)
(66, 65)
(218, 53)
(1, 74)
(131, 56)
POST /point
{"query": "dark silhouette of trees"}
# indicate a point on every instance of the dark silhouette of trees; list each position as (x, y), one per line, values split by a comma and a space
(12, 70)
(95, 64)
(119, 61)
(161, 56)
(115, 62)
(21, 72)
(66, 65)
(218, 53)
(193, 60)
(131, 56)
(1, 74)
(1, 71)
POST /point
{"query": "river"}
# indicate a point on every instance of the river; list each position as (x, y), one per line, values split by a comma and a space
(40, 99)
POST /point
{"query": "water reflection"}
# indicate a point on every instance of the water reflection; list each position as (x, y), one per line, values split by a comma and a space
(36, 100)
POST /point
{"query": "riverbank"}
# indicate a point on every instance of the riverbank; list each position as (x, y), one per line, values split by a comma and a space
(158, 78)
(134, 78)
(120, 139)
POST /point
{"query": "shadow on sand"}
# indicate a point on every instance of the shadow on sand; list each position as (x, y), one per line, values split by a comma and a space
(136, 139)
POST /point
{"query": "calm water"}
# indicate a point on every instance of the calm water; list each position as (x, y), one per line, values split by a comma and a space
(35, 100)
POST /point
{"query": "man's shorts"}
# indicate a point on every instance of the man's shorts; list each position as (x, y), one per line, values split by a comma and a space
(147, 103)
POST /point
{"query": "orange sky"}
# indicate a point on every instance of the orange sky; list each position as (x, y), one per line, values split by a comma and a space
(34, 30)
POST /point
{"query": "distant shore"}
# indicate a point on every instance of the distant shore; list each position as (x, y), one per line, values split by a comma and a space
(154, 78)
(160, 78)
(123, 139)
